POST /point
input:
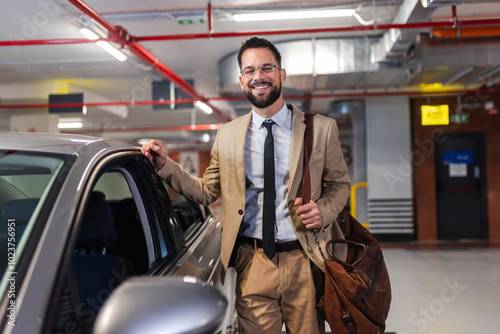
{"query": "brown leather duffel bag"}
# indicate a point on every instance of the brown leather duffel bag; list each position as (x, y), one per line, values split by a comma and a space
(358, 291)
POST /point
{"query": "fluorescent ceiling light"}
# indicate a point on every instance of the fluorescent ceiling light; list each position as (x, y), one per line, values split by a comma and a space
(89, 34)
(111, 50)
(312, 14)
(70, 125)
(203, 107)
(103, 44)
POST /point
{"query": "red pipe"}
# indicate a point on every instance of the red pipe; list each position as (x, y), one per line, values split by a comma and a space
(441, 24)
(243, 98)
(120, 35)
(297, 31)
(413, 25)
(200, 127)
(95, 104)
(50, 41)
(209, 19)
(467, 32)
(143, 53)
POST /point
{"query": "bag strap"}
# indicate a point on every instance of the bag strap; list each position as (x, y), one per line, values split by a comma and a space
(306, 184)
(308, 143)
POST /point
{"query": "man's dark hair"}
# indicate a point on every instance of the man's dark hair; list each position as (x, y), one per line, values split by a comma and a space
(257, 42)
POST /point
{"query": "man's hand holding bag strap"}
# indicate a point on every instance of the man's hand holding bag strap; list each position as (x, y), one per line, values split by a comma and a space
(357, 291)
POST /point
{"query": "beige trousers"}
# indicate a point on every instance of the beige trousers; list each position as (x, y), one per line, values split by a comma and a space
(270, 293)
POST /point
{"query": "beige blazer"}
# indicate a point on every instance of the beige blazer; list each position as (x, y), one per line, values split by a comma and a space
(225, 177)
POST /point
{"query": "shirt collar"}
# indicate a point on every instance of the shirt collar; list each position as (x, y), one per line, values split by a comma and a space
(279, 118)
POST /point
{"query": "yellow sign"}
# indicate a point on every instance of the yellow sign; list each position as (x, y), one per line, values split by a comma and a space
(435, 115)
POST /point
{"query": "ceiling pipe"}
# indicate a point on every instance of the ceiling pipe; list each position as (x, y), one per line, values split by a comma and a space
(199, 127)
(96, 104)
(50, 41)
(410, 25)
(413, 25)
(121, 36)
(210, 29)
(243, 98)
(467, 32)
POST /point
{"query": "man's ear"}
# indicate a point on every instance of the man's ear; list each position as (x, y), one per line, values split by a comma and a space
(240, 79)
(283, 76)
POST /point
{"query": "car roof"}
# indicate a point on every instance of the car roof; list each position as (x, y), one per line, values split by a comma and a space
(61, 143)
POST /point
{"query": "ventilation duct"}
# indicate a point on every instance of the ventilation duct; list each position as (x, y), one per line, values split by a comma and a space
(307, 59)
(435, 3)
(398, 41)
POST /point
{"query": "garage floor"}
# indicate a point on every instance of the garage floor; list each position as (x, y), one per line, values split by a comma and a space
(453, 289)
(440, 291)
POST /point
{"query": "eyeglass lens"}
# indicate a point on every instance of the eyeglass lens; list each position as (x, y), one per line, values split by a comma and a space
(250, 71)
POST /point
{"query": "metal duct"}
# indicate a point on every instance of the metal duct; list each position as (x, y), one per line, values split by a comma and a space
(309, 58)
(459, 52)
(398, 41)
(434, 3)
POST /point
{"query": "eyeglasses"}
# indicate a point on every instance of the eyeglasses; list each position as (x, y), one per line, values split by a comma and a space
(250, 71)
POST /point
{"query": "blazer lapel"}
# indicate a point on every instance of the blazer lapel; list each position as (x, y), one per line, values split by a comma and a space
(296, 156)
(240, 142)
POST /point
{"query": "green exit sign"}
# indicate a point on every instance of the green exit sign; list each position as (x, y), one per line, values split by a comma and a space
(460, 118)
(190, 21)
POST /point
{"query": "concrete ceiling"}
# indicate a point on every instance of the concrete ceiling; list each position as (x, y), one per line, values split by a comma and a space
(325, 58)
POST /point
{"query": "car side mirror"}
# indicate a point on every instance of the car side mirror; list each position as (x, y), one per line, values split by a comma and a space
(162, 305)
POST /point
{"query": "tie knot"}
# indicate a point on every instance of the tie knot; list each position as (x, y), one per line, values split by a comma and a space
(268, 124)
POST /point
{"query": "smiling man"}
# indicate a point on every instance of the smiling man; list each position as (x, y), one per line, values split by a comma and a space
(257, 168)
(262, 90)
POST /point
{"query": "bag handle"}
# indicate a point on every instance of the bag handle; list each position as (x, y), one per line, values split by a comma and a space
(349, 244)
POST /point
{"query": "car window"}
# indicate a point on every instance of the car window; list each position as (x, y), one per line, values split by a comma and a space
(114, 185)
(25, 182)
(130, 222)
(189, 213)
(117, 239)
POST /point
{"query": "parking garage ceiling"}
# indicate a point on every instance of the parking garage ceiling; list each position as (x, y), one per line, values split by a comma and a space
(377, 48)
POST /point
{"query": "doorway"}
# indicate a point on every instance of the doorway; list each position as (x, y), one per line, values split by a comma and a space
(460, 186)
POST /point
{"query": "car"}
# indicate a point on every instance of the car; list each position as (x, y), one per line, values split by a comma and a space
(89, 231)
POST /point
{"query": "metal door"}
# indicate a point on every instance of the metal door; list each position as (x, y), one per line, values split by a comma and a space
(460, 186)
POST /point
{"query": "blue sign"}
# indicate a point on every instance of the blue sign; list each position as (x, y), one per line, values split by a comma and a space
(458, 157)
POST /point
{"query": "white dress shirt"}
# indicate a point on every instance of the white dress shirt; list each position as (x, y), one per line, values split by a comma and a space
(254, 166)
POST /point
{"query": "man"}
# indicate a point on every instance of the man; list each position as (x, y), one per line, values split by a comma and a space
(276, 285)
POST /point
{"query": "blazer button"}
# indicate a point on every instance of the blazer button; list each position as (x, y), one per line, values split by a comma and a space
(240, 212)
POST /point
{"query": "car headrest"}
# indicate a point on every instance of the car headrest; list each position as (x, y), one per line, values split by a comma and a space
(98, 228)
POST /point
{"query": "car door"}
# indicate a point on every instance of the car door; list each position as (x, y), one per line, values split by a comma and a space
(115, 236)
(201, 237)
(126, 226)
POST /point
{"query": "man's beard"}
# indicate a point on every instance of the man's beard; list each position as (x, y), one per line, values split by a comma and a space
(264, 102)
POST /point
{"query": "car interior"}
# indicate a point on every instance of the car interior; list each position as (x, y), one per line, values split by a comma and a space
(111, 246)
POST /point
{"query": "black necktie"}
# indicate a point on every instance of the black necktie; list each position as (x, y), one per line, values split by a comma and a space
(269, 214)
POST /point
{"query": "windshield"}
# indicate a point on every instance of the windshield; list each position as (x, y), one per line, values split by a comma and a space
(25, 180)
